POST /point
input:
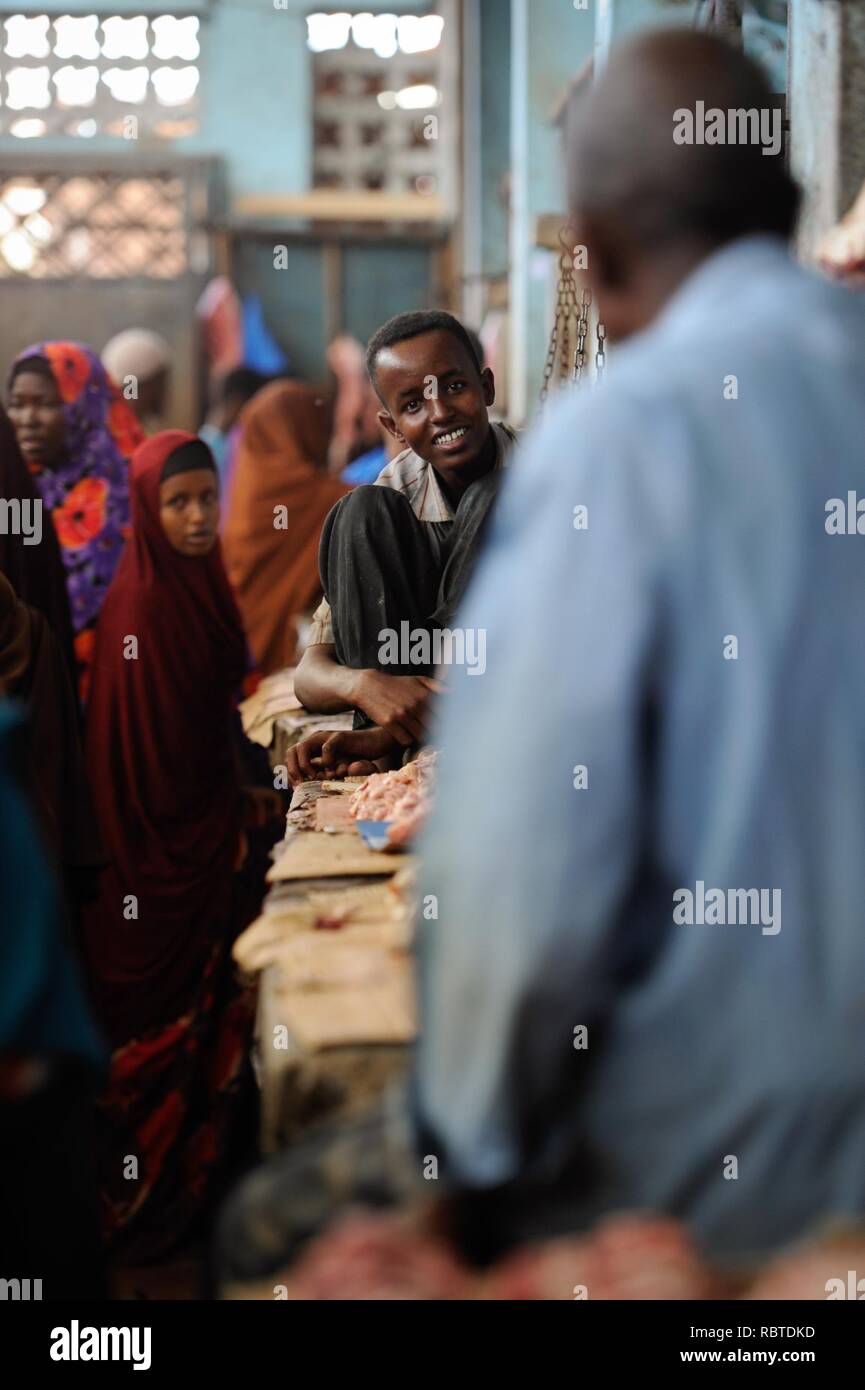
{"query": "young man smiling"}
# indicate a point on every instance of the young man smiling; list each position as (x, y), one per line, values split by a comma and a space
(402, 550)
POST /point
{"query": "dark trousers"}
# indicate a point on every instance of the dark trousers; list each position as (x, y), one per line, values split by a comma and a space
(381, 567)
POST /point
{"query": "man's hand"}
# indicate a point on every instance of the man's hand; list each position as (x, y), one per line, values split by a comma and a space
(303, 760)
(360, 752)
(396, 703)
(350, 753)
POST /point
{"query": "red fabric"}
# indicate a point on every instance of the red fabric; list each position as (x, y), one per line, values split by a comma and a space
(165, 1105)
(161, 762)
(221, 315)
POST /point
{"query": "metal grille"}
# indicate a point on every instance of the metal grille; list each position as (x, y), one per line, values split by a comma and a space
(101, 226)
(378, 113)
(99, 74)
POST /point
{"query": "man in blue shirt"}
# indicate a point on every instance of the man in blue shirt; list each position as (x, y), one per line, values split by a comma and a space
(51, 1058)
(642, 954)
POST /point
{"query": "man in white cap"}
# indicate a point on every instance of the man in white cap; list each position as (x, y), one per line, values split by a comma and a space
(140, 362)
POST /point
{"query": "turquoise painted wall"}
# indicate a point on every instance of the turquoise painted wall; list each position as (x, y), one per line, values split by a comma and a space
(378, 279)
(764, 31)
(255, 93)
(256, 96)
(254, 110)
(629, 15)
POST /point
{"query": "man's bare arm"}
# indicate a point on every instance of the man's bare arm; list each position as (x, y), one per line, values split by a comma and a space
(395, 703)
(322, 685)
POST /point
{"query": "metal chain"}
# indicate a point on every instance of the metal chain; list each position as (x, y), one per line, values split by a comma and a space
(601, 354)
(582, 333)
(566, 313)
(550, 363)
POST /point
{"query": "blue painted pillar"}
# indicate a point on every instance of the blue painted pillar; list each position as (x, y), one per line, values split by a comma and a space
(617, 18)
(495, 82)
(550, 42)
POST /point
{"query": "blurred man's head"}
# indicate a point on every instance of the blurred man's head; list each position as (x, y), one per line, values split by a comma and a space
(234, 390)
(140, 362)
(435, 391)
(647, 208)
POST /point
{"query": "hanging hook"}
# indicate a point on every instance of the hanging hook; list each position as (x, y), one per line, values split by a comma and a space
(566, 244)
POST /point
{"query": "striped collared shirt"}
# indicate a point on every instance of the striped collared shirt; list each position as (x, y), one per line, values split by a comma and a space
(418, 481)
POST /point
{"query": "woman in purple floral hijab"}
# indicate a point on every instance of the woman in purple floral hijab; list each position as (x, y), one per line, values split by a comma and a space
(77, 434)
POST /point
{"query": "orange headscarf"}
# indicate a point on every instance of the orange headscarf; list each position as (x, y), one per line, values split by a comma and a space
(272, 555)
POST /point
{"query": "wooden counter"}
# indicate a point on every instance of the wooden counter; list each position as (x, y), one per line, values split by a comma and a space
(332, 950)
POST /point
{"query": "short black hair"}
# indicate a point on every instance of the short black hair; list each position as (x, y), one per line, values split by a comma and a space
(243, 382)
(412, 325)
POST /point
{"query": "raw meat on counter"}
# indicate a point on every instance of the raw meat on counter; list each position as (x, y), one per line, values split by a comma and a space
(403, 798)
(401, 1254)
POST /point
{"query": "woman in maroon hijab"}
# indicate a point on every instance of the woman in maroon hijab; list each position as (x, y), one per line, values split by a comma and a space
(170, 654)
